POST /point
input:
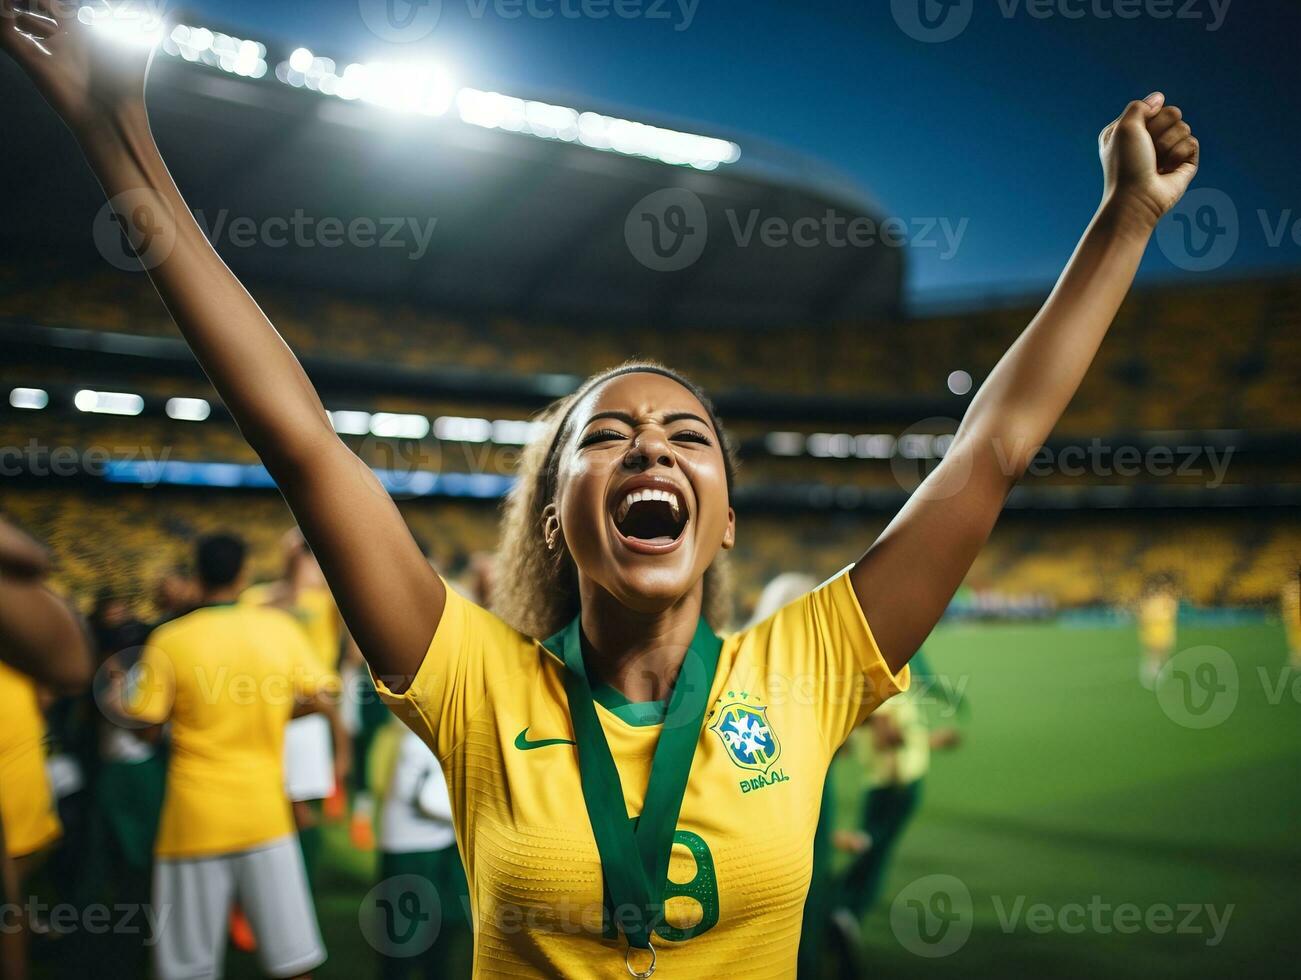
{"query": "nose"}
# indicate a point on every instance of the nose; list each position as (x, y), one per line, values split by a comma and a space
(649, 448)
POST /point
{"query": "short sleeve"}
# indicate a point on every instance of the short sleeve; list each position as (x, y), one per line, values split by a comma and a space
(469, 646)
(823, 642)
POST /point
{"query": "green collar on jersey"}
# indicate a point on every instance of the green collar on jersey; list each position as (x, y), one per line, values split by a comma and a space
(635, 853)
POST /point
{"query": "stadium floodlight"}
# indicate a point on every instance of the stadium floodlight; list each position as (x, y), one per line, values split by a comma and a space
(421, 88)
(108, 402)
(959, 382)
(390, 425)
(234, 55)
(188, 409)
(427, 89)
(301, 60)
(452, 428)
(917, 445)
(34, 399)
(350, 423)
(834, 445)
(877, 446)
(515, 432)
(785, 443)
(132, 22)
(492, 110)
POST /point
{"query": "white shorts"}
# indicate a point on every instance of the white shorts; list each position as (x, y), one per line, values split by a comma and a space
(193, 897)
(309, 758)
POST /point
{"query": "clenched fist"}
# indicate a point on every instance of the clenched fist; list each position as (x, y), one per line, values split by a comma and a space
(1149, 157)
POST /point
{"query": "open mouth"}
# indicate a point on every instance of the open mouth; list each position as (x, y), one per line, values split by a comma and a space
(651, 519)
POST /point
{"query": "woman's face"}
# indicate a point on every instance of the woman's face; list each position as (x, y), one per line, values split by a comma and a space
(641, 499)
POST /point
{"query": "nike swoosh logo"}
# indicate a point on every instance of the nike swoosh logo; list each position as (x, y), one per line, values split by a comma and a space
(523, 744)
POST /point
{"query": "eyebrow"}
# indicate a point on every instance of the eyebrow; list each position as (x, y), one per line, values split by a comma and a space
(631, 422)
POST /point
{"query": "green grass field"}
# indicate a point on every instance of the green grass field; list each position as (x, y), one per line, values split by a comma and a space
(1072, 788)
(1074, 783)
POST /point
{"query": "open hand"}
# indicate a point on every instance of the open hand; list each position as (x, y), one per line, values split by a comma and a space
(85, 71)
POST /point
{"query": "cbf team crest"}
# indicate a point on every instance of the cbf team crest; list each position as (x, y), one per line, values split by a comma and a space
(751, 742)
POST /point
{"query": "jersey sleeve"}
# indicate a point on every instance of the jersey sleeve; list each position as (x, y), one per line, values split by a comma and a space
(823, 642)
(471, 649)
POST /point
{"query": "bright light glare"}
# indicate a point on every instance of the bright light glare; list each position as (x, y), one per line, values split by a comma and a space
(236, 56)
(452, 428)
(393, 426)
(348, 423)
(188, 409)
(31, 398)
(130, 23)
(422, 88)
(493, 110)
(108, 402)
(515, 432)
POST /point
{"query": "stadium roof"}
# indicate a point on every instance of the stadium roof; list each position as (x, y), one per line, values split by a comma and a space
(506, 204)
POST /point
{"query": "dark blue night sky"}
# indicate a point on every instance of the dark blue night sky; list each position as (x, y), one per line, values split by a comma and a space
(997, 125)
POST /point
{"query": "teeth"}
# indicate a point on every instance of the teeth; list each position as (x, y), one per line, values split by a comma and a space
(636, 496)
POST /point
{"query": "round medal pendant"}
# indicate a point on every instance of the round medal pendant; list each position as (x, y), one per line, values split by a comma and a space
(645, 974)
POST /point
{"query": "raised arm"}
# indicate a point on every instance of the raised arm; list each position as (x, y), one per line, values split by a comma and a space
(906, 579)
(389, 596)
(40, 635)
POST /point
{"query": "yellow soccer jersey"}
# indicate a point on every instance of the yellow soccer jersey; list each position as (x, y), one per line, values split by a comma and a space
(226, 677)
(315, 610)
(1157, 614)
(907, 762)
(787, 692)
(26, 803)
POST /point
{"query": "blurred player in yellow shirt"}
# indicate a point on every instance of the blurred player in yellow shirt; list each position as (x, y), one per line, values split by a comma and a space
(1158, 614)
(228, 678)
(40, 641)
(892, 753)
(309, 759)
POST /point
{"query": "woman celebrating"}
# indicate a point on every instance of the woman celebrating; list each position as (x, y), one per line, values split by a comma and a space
(631, 793)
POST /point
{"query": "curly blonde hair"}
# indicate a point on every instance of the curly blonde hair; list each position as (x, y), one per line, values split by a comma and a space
(536, 589)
